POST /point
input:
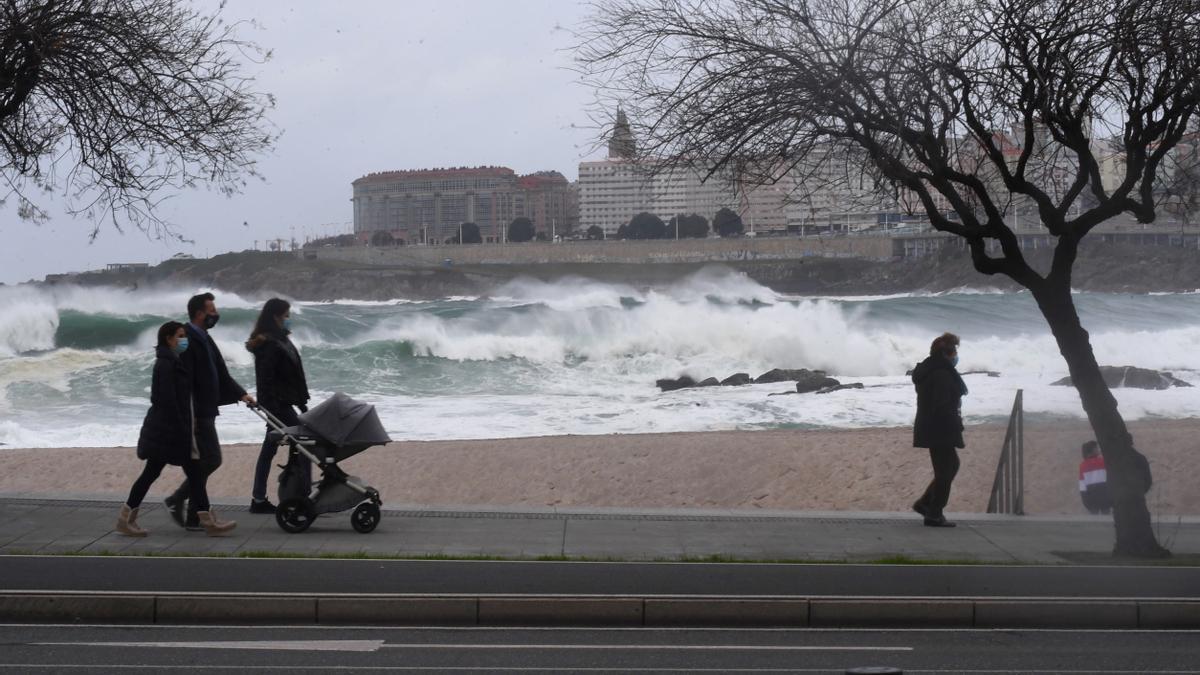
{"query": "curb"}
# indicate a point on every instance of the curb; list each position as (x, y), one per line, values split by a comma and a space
(628, 611)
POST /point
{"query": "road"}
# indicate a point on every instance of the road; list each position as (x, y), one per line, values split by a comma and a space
(232, 575)
(242, 649)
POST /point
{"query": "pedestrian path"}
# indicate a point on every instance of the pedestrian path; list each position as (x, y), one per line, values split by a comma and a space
(79, 524)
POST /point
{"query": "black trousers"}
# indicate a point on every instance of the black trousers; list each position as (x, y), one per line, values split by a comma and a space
(196, 480)
(210, 458)
(945, 468)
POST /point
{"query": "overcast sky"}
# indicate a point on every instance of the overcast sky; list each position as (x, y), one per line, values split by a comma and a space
(361, 86)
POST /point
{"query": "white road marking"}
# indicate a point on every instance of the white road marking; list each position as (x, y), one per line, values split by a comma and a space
(681, 648)
(560, 669)
(271, 645)
(376, 645)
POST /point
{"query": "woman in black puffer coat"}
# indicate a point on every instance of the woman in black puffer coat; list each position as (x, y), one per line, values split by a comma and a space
(281, 389)
(939, 425)
(166, 436)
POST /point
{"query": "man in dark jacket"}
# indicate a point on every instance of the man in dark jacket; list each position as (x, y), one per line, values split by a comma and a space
(938, 425)
(212, 387)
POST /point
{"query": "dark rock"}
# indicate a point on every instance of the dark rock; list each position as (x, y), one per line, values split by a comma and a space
(816, 381)
(1118, 377)
(668, 384)
(736, 380)
(839, 387)
(785, 375)
(989, 373)
(709, 382)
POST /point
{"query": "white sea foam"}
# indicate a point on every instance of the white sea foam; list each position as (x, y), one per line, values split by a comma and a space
(579, 356)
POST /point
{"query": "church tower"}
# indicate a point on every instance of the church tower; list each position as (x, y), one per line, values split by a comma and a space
(621, 144)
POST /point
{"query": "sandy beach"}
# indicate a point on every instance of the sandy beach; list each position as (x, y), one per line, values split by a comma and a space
(863, 469)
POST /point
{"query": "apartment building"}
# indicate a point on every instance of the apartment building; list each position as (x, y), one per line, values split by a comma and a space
(429, 205)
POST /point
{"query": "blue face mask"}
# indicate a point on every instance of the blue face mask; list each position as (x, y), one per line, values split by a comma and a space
(287, 324)
(181, 346)
(954, 361)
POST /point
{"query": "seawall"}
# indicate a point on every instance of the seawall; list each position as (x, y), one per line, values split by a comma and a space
(614, 251)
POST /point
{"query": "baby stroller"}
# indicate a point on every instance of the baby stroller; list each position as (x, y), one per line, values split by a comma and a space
(328, 433)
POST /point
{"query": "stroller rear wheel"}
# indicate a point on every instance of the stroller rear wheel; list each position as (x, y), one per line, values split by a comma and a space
(365, 517)
(295, 515)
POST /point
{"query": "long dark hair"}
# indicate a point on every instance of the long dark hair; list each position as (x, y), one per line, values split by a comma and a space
(267, 323)
(167, 331)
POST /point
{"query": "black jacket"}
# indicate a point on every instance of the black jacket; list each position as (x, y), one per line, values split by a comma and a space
(939, 401)
(212, 388)
(167, 430)
(278, 372)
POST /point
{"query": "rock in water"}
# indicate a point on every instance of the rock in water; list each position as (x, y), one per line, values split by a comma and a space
(784, 374)
(815, 382)
(708, 382)
(839, 387)
(736, 380)
(1118, 377)
(668, 384)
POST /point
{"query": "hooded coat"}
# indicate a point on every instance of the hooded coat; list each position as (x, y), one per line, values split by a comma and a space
(278, 372)
(166, 433)
(939, 404)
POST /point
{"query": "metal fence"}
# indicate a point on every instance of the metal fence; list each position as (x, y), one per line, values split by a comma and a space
(1008, 489)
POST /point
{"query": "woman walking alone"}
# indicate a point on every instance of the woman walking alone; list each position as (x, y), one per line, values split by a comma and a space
(167, 436)
(281, 388)
(939, 425)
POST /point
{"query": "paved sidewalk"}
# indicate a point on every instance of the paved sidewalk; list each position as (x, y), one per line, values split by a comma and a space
(84, 526)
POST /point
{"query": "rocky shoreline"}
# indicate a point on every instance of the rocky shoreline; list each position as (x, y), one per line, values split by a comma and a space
(1100, 267)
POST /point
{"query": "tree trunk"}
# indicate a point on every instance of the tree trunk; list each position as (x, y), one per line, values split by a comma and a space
(1128, 473)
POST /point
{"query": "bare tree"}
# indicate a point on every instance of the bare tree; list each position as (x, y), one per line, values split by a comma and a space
(970, 105)
(117, 103)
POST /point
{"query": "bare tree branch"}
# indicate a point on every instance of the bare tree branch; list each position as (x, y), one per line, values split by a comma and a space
(119, 103)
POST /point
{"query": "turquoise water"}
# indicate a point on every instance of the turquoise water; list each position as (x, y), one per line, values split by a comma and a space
(577, 356)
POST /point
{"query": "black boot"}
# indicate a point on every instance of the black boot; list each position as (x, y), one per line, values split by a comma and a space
(175, 507)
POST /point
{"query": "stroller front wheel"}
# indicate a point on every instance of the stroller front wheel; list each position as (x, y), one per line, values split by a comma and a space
(295, 515)
(365, 517)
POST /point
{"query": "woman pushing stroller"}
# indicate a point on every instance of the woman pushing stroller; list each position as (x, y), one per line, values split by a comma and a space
(167, 436)
(281, 388)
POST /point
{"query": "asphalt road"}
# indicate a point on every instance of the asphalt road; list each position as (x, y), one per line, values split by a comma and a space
(226, 649)
(143, 574)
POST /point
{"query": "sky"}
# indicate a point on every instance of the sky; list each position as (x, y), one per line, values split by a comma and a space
(361, 87)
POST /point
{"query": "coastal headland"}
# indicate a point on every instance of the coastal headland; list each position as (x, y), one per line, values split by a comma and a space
(369, 275)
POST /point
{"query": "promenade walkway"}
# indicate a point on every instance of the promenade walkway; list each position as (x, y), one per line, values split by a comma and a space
(76, 524)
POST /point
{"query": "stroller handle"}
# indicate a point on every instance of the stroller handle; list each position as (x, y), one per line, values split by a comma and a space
(278, 426)
(271, 420)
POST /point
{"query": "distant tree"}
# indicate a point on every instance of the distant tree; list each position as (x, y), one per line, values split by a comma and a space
(595, 232)
(470, 234)
(623, 231)
(727, 223)
(382, 238)
(971, 106)
(541, 236)
(646, 225)
(115, 102)
(520, 230)
(692, 226)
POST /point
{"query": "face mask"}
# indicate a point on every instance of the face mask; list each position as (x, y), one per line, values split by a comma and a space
(954, 361)
(211, 320)
(181, 346)
(287, 324)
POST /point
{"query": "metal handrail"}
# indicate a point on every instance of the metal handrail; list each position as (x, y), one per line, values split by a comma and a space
(1008, 489)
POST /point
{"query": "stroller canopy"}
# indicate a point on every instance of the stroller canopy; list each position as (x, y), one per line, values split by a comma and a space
(345, 423)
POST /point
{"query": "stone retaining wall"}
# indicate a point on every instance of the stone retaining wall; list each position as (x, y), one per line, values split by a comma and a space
(615, 251)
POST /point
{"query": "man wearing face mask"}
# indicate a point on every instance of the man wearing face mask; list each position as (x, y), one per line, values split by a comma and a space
(939, 425)
(213, 387)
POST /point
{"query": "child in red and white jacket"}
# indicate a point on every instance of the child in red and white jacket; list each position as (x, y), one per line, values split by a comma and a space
(1093, 480)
